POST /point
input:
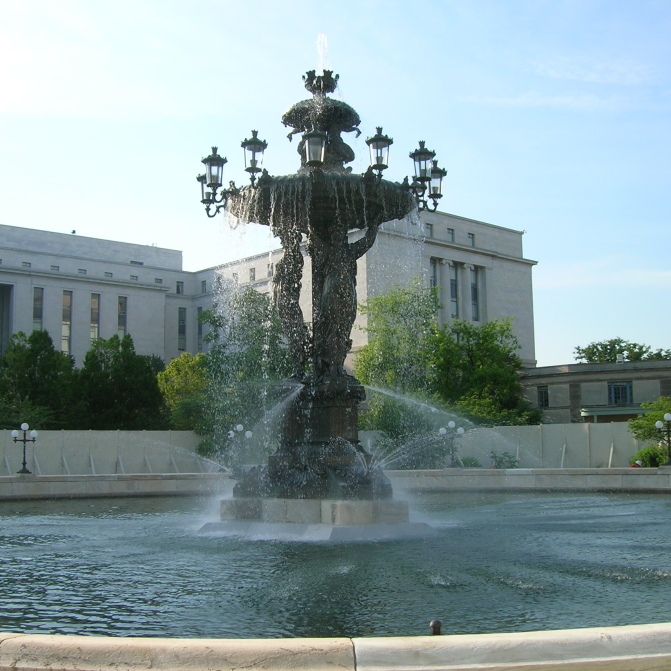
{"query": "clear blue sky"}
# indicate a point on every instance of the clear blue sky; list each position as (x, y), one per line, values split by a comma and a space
(551, 117)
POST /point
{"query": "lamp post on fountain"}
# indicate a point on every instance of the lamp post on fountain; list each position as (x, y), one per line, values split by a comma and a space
(33, 437)
(667, 440)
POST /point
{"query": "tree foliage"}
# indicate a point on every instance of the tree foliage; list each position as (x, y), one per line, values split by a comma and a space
(36, 381)
(473, 368)
(119, 389)
(248, 356)
(606, 351)
(183, 384)
(643, 426)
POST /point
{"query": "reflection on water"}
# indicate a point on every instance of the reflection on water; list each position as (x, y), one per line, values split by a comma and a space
(500, 562)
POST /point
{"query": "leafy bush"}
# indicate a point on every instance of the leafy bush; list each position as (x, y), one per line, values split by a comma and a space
(503, 460)
(470, 462)
(651, 456)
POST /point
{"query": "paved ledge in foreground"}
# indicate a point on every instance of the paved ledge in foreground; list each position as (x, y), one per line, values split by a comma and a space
(131, 484)
(542, 479)
(633, 648)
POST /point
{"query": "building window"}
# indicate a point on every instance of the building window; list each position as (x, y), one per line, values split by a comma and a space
(543, 397)
(26, 264)
(66, 326)
(95, 317)
(55, 268)
(620, 393)
(450, 235)
(454, 292)
(471, 239)
(122, 318)
(429, 230)
(475, 298)
(252, 274)
(38, 306)
(134, 278)
(180, 288)
(271, 270)
(199, 312)
(137, 263)
(235, 277)
(158, 280)
(433, 272)
(109, 274)
(203, 286)
(181, 329)
(81, 271)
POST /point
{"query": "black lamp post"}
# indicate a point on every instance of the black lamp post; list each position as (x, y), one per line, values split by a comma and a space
(24, 440)
(660, 425)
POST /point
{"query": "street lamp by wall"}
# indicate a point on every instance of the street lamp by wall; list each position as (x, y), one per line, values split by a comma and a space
(24, 440)
(660, 425)
(443, 431)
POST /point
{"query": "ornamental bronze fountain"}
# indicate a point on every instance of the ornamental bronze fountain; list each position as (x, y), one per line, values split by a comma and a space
(331, 215)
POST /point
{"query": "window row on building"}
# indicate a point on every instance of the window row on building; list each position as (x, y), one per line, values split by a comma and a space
(66, 316)
(449, 235)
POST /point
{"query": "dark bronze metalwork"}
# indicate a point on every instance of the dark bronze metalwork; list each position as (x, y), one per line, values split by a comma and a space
(331, 215)
(24, 468)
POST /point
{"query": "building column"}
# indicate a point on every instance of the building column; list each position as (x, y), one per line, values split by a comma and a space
(444, 290)
(465, 292)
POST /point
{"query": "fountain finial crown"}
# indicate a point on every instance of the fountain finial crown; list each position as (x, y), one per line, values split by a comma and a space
(322, 84)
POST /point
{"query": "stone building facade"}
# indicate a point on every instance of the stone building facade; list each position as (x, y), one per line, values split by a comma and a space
(596, 392)
(80, 288)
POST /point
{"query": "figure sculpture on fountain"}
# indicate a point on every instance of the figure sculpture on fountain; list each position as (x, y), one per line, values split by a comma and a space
(333, 216)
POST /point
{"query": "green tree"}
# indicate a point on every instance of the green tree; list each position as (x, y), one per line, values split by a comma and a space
(36, 380)
(473, 368)
(248, 357)
(183, 384)
(402, 335)
(119, 389)
(606, 351)
(643, 426)
(477, 370)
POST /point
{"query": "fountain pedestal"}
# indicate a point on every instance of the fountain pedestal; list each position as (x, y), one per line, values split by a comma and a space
(319, 455)
(316, 519)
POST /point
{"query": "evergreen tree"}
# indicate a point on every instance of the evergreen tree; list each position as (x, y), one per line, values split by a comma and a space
(36, 381)
(119, 389)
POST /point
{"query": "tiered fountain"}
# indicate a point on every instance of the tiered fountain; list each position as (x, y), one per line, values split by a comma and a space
(320, 481)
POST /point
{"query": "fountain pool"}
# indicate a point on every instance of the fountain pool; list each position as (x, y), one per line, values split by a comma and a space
(500, 562)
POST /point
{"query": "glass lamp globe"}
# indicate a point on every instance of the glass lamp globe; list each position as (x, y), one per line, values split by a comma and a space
(24, 427)
(15, 434)
(239, 428)
(442, 431)
(451, 424)
(33, 434)
(248, 434)
(659, 424)
(461, 431)
(667, 417)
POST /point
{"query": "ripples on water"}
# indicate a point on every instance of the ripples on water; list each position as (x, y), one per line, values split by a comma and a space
(500, 562)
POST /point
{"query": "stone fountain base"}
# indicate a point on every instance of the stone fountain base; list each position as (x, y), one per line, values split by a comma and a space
(315, 519)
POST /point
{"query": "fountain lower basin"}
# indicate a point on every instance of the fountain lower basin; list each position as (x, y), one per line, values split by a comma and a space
(316, 519)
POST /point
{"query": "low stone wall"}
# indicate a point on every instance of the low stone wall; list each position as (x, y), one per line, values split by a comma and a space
(544, 479)
(105, 452)
(449, 479)
(91, 486)
(632, 648)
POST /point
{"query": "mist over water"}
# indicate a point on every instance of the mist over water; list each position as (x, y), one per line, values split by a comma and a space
(499, 562)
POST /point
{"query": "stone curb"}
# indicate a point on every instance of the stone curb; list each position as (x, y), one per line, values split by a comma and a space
(629, 648)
